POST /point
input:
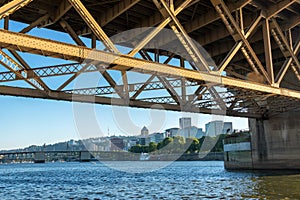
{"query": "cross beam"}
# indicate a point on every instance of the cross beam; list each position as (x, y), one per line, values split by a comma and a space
(35, 45)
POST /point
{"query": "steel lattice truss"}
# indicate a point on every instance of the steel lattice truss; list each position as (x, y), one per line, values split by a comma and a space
(254, 46)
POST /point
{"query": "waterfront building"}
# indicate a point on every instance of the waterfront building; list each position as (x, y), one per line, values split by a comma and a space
(185, 122)
(218, 127)
(157, 137)
(144, 140)
(171, 132)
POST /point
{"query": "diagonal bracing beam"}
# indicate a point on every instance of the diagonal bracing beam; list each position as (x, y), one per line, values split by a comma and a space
(278, 7)
(237, 35)
(284, 44)
(35, 23)
(238, 46)
(27, 67)
(15, 67)
(289, 54)
(158, 29)
(94, 26)
(12, 6)
(39, 84)
(146, 57)
(165, 82)
(183, 37)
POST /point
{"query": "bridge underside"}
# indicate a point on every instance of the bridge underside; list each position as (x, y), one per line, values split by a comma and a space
(239, 58)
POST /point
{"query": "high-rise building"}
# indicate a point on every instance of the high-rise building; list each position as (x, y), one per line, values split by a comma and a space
(144, 138)
(144, 131)
(185, 122)
(227, 128)
(215, 128)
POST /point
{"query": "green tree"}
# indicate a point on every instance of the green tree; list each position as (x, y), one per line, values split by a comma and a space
(136, 149)
(178, 143)
(166, 145)
(167, 141)
(194, 147)
(152, 146)
(219, 145)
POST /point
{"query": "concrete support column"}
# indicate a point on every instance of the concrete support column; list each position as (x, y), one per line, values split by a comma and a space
(275, 141)
(39, 157)
(85, 156)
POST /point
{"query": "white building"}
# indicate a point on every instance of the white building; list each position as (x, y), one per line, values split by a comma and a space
(215, 128)
(185, 122)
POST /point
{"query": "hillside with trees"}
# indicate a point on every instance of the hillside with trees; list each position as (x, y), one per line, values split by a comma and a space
(179, 144)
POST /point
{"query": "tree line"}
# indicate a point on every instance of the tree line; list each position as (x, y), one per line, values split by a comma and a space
(179, 144)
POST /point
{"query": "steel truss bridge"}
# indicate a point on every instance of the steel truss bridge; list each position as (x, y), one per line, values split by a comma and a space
(254, 46)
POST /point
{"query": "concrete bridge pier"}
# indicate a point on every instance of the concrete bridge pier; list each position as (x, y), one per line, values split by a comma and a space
(274, 144)
(275, 141)
(39, 157)
(85, 156)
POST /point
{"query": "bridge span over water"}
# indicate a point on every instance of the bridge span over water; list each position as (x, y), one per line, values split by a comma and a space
(247, 65)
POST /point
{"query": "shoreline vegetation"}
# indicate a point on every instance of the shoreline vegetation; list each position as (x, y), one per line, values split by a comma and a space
(179, 144)
(170, 149)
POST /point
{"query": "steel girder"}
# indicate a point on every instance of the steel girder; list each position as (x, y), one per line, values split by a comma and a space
(12, 6)
(239, 97)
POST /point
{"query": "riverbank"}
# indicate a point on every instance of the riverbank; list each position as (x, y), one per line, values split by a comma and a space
(119, 156)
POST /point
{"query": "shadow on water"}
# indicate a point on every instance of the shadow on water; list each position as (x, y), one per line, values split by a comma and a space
(264, 172)
(272, 184)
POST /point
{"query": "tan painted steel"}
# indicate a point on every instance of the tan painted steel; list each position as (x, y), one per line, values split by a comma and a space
(254, 44)
(12, 6)
(42, 46)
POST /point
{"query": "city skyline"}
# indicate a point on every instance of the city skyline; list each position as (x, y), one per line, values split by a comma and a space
(27, 121)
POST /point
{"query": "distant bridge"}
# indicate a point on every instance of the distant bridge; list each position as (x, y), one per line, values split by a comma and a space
(67, 155)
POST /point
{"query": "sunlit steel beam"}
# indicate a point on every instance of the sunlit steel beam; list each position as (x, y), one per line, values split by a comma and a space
(285, 43)
(183, 37)
(27, 67)
(41, 46)
(12, 6)
(268, 49)
(158, 29)
(35, 82)
(278, 7)
(94, 26)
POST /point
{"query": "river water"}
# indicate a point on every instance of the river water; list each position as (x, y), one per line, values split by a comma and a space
(180, 180)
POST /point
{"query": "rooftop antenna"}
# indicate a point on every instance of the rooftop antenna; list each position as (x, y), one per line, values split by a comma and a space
(108, 131)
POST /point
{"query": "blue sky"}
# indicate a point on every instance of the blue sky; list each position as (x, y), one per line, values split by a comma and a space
(27, 121)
